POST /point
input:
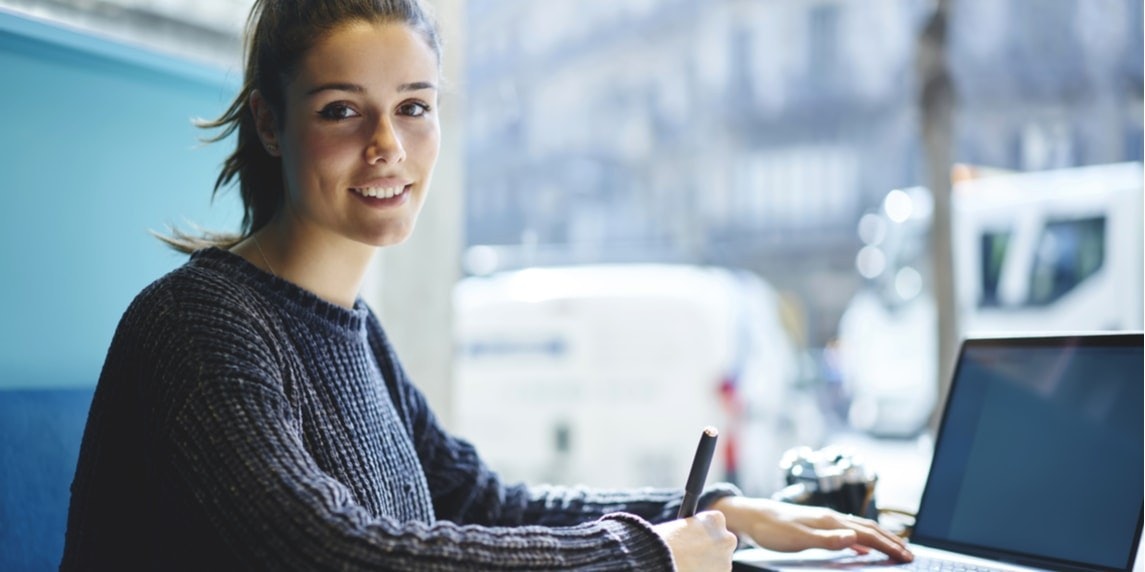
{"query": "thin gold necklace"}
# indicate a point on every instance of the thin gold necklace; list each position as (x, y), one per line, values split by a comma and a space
(263, 254)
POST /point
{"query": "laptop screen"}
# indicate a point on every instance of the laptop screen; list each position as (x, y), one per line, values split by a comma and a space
(1039, 456)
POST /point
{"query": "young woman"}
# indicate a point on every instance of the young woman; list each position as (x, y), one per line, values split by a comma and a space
(251, 413)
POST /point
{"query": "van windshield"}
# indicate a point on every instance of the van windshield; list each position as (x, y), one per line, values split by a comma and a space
(1069, 252)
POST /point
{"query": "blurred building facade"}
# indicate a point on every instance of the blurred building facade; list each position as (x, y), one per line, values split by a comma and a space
(756, 133)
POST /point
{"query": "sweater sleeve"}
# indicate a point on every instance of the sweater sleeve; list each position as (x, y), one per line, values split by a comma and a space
(238, 452)
(466, 490)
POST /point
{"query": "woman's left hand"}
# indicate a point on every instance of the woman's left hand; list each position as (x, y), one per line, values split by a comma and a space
(787, 527)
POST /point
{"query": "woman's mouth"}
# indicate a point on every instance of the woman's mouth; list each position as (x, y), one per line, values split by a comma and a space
(382, 196)
(379, 192)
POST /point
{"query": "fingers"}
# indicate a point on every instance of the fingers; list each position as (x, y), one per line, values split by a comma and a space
(716, 527)
(836, 539)
(699, 543)
(869, 534)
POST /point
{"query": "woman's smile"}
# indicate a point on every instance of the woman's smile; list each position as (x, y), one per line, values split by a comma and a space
(382, 197)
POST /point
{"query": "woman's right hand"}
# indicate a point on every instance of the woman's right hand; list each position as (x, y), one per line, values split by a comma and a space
(699, 543)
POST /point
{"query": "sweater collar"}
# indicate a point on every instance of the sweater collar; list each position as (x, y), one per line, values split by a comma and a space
(301, 302)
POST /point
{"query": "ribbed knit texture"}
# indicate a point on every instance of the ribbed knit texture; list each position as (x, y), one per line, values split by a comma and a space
(242, 423)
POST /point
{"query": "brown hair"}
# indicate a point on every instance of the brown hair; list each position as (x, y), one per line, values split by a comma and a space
(278, 34)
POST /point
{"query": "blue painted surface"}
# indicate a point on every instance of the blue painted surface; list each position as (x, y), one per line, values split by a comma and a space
(40, 433)
(97, 148)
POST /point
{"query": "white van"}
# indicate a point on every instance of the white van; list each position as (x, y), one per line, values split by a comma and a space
(1051, 250)
(605, 375)
(1033, 252)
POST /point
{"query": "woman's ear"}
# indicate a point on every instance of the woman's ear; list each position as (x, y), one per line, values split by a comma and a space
(264, 123)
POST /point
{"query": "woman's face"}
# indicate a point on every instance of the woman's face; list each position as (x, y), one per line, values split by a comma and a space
(361, 134)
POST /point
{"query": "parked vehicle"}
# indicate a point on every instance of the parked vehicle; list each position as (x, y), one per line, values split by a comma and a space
(605, 375)
(1052, 250)
(887, 336)
(1033, 252)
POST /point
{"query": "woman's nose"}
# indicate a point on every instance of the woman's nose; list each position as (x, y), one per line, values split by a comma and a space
(385, 145)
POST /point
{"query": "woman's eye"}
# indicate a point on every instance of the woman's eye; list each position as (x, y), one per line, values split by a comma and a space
(337, 111)
(413, 109)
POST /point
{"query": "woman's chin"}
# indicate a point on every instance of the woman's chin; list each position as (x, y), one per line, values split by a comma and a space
(391, 236)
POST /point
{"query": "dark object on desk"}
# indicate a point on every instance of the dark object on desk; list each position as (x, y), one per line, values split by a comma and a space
(829, 477)
(699, 473)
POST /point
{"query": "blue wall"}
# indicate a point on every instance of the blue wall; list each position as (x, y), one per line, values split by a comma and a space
(96, 149)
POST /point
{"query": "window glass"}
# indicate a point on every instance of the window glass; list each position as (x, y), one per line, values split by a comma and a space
(1069, 252)
(994, 246)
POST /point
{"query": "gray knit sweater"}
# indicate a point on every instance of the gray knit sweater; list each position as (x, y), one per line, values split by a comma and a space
(242, 423)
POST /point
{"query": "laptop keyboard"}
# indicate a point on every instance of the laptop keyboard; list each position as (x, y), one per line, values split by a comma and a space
(875, 559)
(923, 564)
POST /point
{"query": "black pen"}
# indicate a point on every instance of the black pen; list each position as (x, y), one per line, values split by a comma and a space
(699, 472)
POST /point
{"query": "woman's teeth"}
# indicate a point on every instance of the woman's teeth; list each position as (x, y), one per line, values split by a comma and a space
(380, 192)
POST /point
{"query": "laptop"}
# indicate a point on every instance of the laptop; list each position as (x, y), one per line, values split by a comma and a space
(1037, 465)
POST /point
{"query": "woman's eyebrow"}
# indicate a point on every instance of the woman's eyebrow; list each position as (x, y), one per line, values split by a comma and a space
(356, 88)
(416, 86)
(351, 87)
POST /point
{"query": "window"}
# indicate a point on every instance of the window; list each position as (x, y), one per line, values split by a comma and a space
(1069, 252)
(994, 247)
